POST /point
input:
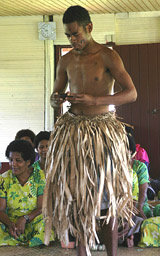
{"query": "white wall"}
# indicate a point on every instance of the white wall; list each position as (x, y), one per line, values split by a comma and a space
(125, 28)
(21, 78)
(27, 64)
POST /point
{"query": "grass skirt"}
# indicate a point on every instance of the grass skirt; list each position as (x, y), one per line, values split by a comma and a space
(86, 156)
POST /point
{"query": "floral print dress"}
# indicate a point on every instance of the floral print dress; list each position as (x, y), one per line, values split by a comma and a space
(22, 200)
(143, 177)
(150, 233)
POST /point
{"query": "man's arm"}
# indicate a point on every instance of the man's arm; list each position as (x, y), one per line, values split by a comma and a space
(128, 92)
(59, 85)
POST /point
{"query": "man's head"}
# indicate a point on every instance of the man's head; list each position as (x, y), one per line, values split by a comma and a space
(78, 27)
(78, 14)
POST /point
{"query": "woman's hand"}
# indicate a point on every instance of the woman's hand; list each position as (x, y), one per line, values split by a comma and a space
(141, 212)
(13, 230)
(20, 225)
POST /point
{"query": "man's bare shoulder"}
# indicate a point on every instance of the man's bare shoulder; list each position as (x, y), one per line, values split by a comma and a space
(109, 52)
(65, 59)
(67, 56)
(110, 56)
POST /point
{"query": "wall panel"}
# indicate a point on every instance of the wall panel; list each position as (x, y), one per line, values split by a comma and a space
(143, 65)
(124, 28)
(21, 78)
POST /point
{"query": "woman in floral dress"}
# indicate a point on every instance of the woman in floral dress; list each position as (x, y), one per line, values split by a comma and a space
(150, 232)
(21, 193)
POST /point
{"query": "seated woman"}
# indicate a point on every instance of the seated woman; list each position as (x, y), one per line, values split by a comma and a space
(29, 135)
(21, 193)
(150, 233)
(26, 134)
(143, 181)
(41, 145)
(150, 230)
(127, 236)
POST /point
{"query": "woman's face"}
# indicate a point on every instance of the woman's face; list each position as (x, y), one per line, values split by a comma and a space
(17, 163)
(43, 148)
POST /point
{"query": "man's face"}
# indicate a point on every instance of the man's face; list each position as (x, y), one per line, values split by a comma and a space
(77, 35)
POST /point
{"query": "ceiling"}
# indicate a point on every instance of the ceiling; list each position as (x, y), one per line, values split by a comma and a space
(51, 7)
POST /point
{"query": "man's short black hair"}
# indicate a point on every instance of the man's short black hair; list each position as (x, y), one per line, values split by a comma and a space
(76, 13)
(25, 133)
(24, 148)
(43, 135)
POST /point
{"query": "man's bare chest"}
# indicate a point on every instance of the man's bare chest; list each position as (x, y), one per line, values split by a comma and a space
(91, 71)
(86, 66)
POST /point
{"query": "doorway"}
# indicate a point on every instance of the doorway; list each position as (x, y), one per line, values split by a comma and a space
(143, 64)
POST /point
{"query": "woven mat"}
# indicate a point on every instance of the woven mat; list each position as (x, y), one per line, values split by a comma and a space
(56, 250)
(52, 250)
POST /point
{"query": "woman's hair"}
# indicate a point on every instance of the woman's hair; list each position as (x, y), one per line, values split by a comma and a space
(24, 148)
(43, 135)
(129, 130)
(132, 144)
(25, 133)
(76, 13)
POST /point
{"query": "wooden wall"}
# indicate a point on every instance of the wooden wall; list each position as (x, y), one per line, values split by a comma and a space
(143, 64)
(22, 63)
(121, 28)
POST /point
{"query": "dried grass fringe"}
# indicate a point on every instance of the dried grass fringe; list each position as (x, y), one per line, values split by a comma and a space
(82, 148)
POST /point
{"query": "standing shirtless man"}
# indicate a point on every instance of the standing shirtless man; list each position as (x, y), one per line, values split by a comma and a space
(88, 164)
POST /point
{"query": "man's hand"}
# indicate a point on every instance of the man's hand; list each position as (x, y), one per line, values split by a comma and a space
(57, 99)
(84, 99)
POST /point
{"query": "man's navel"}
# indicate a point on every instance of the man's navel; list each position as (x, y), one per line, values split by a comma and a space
(96, 78)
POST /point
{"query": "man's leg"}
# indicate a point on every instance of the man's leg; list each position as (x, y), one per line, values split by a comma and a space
(81, 250)
(109, 237)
